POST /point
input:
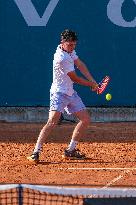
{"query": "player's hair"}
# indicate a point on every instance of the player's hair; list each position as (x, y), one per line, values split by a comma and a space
(68, 35)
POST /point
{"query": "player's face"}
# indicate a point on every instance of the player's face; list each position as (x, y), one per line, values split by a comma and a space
(69, 46)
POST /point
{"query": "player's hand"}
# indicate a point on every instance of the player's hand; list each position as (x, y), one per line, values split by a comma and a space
(94, 86)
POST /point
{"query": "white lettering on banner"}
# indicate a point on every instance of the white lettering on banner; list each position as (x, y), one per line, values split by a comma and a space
(114, 14)
(30, 14)
(32, 18)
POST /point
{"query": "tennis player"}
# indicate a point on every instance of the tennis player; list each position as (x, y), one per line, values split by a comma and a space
(64, 97)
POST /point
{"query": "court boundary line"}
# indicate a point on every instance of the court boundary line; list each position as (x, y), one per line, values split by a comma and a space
(125, 171)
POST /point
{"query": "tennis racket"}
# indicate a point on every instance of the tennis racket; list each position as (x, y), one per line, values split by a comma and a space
(103, 84)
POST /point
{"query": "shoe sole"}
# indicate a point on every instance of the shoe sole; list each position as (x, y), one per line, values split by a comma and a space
(32, 160)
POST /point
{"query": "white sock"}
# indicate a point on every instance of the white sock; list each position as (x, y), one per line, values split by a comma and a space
(72, 145)
(37, 148)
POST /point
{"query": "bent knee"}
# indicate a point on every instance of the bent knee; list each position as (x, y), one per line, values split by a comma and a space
(52, 123)
(86, 121)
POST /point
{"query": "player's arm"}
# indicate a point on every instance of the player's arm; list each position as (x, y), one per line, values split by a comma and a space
(75, 78)
(83, 69)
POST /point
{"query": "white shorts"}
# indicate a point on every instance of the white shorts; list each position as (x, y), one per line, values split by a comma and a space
(60, 102)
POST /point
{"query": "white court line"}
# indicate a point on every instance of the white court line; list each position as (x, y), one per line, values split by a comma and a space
(110, 183)
(99, 168)
(116, 179)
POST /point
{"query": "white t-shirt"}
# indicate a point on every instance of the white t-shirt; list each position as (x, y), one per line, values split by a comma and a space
(63, 63)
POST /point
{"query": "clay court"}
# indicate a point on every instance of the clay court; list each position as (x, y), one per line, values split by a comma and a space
(110, 148)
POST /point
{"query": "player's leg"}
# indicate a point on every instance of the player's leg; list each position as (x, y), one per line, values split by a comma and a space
(54, 117)
(78, 108)
(44, 133)
(57, 104)
(84, 120)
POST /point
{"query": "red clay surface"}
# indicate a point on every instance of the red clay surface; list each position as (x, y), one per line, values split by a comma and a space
(110, 148)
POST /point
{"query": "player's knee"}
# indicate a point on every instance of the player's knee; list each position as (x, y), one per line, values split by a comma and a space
(86, 121)
(52, 123)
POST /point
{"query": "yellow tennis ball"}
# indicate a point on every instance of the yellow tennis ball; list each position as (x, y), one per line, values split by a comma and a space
(108, 96)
